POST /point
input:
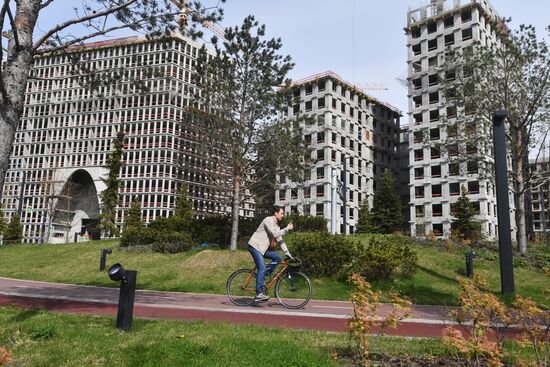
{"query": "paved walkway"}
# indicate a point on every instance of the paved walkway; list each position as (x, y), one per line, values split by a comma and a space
(426, 321)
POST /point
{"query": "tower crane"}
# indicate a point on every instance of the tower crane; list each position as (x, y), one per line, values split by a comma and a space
(184, 13)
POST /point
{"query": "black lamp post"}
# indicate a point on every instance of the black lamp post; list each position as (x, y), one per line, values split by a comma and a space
(127, 279)
(503, 207)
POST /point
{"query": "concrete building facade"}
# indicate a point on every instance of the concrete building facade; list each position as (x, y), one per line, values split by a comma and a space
(540, 198)
(66, 134)
(347, 125)
(435, 177)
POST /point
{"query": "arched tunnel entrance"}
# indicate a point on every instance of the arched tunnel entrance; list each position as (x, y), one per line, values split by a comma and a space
(77, 209)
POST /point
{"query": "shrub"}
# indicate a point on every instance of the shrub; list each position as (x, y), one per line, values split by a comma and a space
(5, 356)
(365, 317)
(172, 224)
(380, 256)
(172, 242)
(322, 254)
(535, 323)
(215, 229)
(137, 236)
(305, 223)
(13, 233)
(482, 315)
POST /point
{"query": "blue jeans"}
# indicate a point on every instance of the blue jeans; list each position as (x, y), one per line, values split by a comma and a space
(260, 265)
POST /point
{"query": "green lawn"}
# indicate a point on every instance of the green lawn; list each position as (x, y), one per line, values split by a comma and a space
(435, 281)
(207, 271)
(44, 339)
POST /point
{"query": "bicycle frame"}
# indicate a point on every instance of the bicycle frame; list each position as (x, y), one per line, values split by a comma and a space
(277, 275)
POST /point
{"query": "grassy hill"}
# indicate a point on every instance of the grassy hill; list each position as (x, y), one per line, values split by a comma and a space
(207, 271)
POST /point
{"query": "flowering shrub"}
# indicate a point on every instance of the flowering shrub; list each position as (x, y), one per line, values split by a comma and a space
(5, 356)
(365, 304)
(482, 317)
(535, 323)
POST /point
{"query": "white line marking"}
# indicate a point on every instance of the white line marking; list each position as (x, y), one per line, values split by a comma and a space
(338, 307)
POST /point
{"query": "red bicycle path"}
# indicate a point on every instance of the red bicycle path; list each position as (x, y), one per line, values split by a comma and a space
(426, 321)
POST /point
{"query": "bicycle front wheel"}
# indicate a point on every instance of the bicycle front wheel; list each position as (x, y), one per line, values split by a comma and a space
(241, 287)
(293, 289)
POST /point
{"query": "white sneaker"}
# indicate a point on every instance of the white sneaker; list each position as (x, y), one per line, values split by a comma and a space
(261, 297)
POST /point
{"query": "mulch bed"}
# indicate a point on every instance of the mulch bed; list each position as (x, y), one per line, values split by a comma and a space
(403, 360)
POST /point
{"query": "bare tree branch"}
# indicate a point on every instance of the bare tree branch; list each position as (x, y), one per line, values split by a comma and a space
(43, 5)
(88, 36)
(3, 91)
(13, 28)
(83, 19)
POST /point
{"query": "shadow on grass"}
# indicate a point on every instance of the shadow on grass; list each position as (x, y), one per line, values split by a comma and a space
(426, 295)
(25, 315)
(435, 274)
(449, 279)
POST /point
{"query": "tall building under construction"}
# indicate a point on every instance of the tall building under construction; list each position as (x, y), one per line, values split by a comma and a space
(66, 134)
(346, 127)
(435, 178)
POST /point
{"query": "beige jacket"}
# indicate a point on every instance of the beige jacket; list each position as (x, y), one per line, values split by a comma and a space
(267, 230)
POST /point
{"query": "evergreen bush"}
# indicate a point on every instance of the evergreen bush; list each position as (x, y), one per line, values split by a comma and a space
(137, 236)
(305, 223)
(322, 254)
(172, 242)
(380, 256)
(13, 233)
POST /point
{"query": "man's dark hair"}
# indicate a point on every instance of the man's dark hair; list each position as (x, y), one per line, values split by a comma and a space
(277, 208)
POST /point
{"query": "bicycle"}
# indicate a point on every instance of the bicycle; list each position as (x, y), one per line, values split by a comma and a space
(292, 287)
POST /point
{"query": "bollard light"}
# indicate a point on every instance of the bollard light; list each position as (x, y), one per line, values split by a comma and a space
(127, 279)
(470, 264)
(103, 257)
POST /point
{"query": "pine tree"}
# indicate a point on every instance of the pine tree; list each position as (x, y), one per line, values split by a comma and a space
(184, 205)
(110, 197)
(364, 223)
(467, 227)
(133, 216)
(237, 90)
(2, 222)
(386, 216)
(13, 233)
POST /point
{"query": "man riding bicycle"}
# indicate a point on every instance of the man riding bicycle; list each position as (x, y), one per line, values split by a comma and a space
(262, 245)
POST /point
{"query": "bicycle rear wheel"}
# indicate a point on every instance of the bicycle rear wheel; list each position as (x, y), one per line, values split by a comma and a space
(293, 289)
(241, 287)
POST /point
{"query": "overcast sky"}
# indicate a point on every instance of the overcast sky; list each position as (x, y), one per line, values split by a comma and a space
(361, 40)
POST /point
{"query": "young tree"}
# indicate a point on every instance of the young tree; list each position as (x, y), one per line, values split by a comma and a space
(13, 233)
(2, 222)
(238, 87)
(514, 76)
(281, 153)
(110, 197)
(467, 227)
(133, 217)
(386, 215)
(90, 19)
(364, 222)
(184, 205)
